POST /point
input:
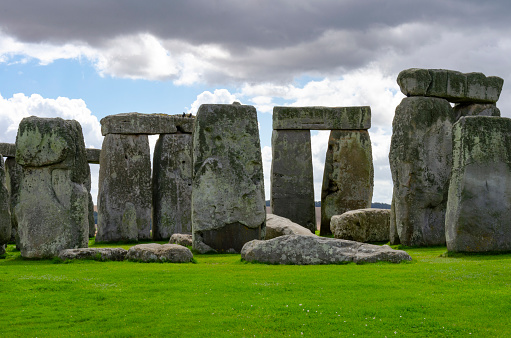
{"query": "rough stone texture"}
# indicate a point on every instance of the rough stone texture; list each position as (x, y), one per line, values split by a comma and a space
(169, 253)
(92, 224)
(279, 226)
(13, 173)
(102, 254)
(181, 239)
(93, 155)
(228, 204)
(312, 250)
(321, 118)
(172, 185)
(8, 149)
(475, 109)
(364, 225)
(394, 236)
(451, 85)
(2, 249)
(52, 207)
(478, 215)
(124, 198)
(348, 175)
(5, 214)
(136, 123)
(292, 182)
(420, 161)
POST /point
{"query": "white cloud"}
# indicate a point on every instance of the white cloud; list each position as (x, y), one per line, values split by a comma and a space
(218, 96)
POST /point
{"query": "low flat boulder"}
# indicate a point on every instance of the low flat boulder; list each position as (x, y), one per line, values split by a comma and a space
(181, 239)
(170, 253)
(362, 225)
(103, 254)
(279, 226)
(314, 250)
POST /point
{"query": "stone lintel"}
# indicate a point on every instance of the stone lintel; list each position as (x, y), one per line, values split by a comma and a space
(9, 150)
(322, 118)
(92, 155)
(137, 123)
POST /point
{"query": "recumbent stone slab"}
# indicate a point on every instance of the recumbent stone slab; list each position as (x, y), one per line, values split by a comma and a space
(181, 239)
(279, 226)
(348, 175)
(124, 198)
(228, 204)
(137, 123)
(102, 254)
(292, 181)
(53, 203)
(451, 85)
(420, 162)
(321, 118)
(364, 225)
(314, 250)
(172, 185)
(479, 206)
(170, 253)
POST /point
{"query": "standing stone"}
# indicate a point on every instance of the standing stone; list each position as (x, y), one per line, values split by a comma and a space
(92, 224)
(420, 161)
(13, 177)
(52, 208)
(228, 204)
(124, 198)
(5, 215)
(348, 175)
(394, 236)
(292, 181)
(172, 185)
(479, 206)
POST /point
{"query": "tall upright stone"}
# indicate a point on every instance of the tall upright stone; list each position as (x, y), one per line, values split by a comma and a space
(124, 198)
(479, 206)
(348, 176)
(420, 161)
(52, 207)
(92, 223)
(13, 176)
(228, 204)
(172, 186)
(292, 181)
(5, 215)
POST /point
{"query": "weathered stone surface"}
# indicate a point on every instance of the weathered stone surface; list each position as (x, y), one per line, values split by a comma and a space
(93, 155)
(172, 185)
(2, 249)
(169, 253)
(312, 250)
(348, 175)
(5, 214)
(102, 254)
(181, 239)
(451, 85)
(475, 109)
(228, 204)
(136, 123)
(364, 225)
(321, 118)
(394, 236)
(420, 161)
(92, 224)
(52, 207)
(478, 215)
(8, 149)
(124, 198)
(279, 226)
(292, 181)
(13, 173)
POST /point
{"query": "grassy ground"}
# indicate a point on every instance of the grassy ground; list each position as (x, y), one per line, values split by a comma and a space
(222, 296)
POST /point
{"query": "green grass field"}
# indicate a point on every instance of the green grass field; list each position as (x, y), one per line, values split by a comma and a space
(464, 295)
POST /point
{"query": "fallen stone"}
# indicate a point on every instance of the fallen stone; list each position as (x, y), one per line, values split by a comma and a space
(479, 205)
(165, 253)
(5, 214)
(228, 204)
(292, 181)
(321, 118)
(450, 85)
(364, 225)
(136, 123)
(52, 207)
(203, 248)
(101, 254)
(420, 162)
(124, 198)
(172, 186)
(475, 109)
(314, 250)
(279, 226)
(348, 175)
(8, 149)
(181, 239)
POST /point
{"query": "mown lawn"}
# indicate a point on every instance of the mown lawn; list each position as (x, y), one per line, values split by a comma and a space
(464, 295)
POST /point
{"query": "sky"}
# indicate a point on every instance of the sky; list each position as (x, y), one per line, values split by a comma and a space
(85, 60)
